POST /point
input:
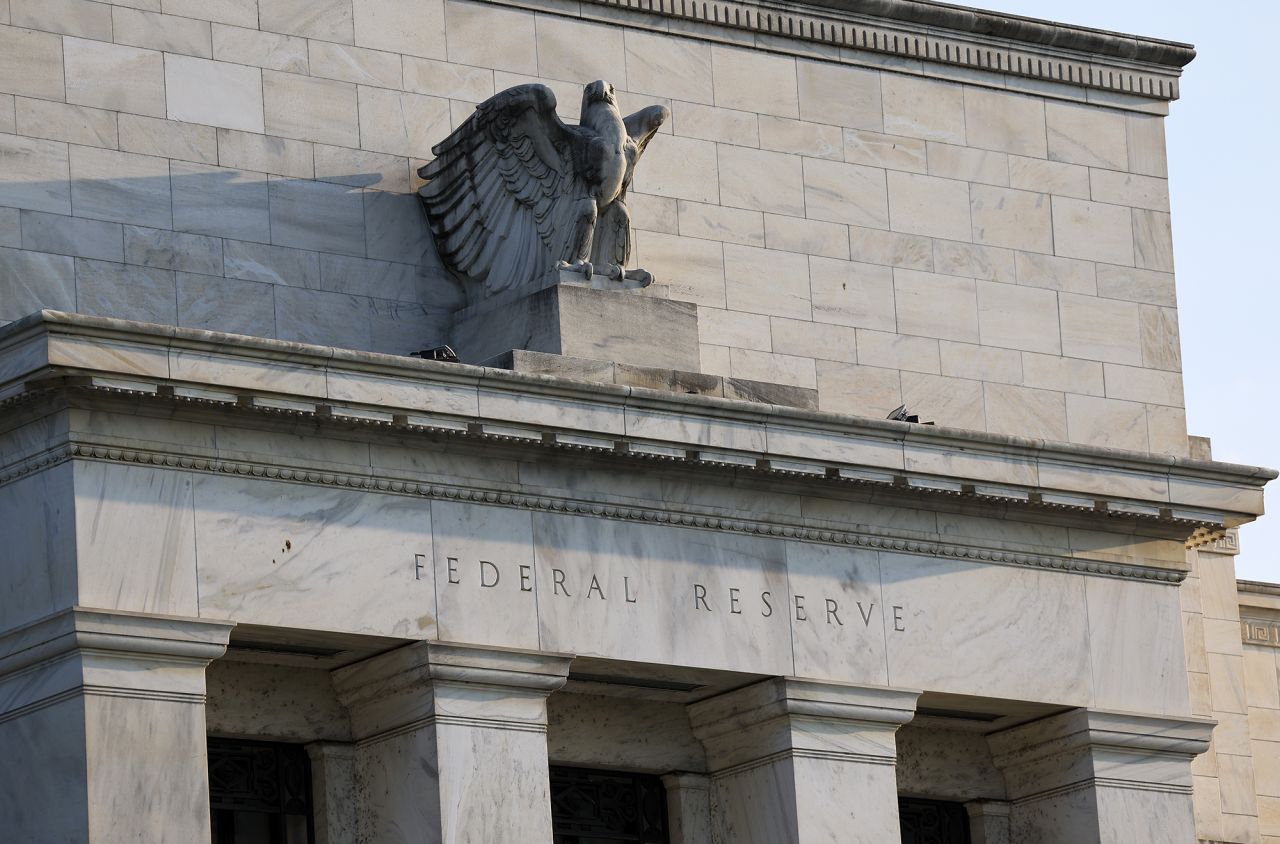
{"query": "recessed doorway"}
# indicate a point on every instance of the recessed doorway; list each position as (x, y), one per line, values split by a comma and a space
(590, 806)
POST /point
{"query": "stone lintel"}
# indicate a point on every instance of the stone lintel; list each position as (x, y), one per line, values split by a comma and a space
(433, 682)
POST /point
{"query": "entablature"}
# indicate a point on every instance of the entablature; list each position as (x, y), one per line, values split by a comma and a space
(266, 381)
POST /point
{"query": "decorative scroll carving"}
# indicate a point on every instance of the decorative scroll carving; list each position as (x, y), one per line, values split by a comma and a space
(515, 192)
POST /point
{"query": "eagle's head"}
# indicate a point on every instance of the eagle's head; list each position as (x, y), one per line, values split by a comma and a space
(598, 92)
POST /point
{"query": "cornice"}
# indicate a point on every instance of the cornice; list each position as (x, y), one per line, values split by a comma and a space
(939, 34)
(52, 360)
(1023, 29)
(1258, 587)
(161, 345)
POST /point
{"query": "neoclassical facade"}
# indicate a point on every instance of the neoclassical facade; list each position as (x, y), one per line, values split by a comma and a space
(624, 563)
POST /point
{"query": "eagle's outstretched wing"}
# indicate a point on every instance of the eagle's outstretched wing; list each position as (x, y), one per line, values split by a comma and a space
(501, 191)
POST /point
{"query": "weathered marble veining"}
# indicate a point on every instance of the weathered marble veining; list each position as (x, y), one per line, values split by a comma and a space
(839, 621)
(271, 703)
(347, 561)
(452, 744)
(597, 731)
(135, 539)
(1136, 648)
(1014, 619)
(662, 594)
(37, 556)
(484, 575)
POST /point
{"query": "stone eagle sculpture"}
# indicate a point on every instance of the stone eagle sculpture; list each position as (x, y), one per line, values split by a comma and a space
(515, 192)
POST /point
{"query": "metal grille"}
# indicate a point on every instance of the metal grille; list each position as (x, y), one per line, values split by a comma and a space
(607, 807)
(260, 792)
(932, 822)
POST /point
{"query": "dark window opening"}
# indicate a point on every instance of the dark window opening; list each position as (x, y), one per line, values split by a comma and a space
(933, 821)
(607, 807)
(260, 792)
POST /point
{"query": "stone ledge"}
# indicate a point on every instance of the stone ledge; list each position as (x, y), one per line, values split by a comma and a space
(365, 388)
(654, 378)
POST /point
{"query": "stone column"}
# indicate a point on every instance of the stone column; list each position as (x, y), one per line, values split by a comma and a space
(989, 821)
(688, 807)
(333, 789)
(102, 727)
(803, 762)
(1095, 777)
(451, 744)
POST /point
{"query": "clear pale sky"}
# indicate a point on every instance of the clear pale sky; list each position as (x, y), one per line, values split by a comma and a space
(1224, 180)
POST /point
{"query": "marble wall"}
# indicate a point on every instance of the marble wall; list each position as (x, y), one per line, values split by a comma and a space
(1226, 803)
(886, 232)
(279, 554)
(1234, 679)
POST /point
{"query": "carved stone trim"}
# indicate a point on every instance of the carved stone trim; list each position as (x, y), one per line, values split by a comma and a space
(667, 515)
(1260, 631)
(1022, 47)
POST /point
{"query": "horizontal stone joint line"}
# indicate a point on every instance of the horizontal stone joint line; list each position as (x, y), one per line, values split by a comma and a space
(144, 694)
(451, 721)
(1091, 783)
(41, 703)
(94, 690)
(802, 753)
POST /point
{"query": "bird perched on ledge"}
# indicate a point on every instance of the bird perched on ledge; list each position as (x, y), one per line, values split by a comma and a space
(515, 192)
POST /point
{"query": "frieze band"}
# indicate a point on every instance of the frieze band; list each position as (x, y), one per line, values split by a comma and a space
(613, 511)
(1258, 631)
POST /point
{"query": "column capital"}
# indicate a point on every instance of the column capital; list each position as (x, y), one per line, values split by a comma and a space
(791, 715)
(780, 697)
(436, 680)
(102, 722)
(1099, 747)
(85, 648)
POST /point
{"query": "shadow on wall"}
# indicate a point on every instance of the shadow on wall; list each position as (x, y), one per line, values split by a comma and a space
(333, 262)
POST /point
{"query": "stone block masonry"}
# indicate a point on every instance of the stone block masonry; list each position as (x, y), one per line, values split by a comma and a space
(987, 245)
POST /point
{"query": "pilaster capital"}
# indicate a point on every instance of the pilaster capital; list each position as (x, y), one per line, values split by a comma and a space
(788, 697)
(1099, 747)
(98, 652)
(434, 681)
(793, 716)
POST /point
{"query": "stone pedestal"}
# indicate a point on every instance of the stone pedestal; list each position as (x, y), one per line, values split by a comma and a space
(801, 762)
(577, 320)
(102, 728)
(452, 744)
(1091, 777)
